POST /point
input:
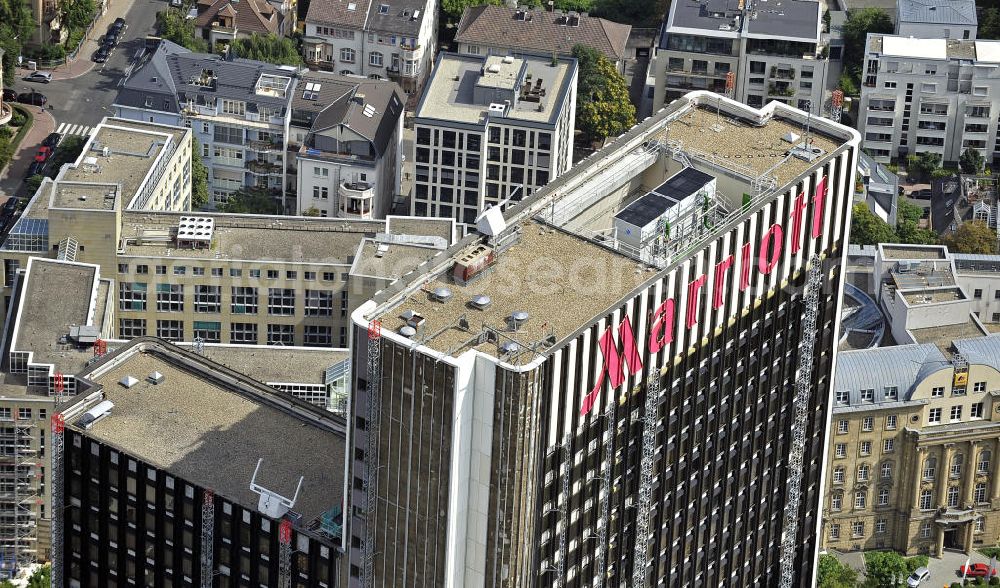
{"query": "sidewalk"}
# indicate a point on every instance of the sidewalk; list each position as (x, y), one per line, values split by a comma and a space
(12, 180)
(83, 63)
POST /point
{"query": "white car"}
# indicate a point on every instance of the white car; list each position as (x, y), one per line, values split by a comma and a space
(918, 576)
(177, 3)
(39, 76)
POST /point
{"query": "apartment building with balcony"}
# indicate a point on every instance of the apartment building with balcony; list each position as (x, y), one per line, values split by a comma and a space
(491, 130)
(773, 52)
(930, 95)
(238, 110)
(933, 19)
(378, 39)
(503, 30)
(345, 152)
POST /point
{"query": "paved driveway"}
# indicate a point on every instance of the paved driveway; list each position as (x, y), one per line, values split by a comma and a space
(944, 570)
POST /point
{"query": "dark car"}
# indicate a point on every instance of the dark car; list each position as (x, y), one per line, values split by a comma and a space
(116, 28)
(52, 140)
(35, 168)
(9, 95)
(102, 54)
(10, 206)
(32, 98)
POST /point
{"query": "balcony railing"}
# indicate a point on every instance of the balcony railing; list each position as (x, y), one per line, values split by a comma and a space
(264, 168)
(264, 146)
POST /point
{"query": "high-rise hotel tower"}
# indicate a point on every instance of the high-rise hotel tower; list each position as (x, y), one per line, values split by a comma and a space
(621, 380)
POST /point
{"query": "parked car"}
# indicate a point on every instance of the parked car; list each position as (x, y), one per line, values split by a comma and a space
(35, 168)
(52, 140)
(102, 54)
(977, 570)
(32, 98)
(921, 194)
(43, 154)
(10, 206)
(9, 95)
(177, 3)
(43, 77)
(118, 27)
(918, 576)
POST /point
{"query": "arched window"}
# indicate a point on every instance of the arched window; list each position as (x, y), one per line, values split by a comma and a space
(979, 495)
(956, 465)
(863, 471)
(953, 497)
(930, 466)
(925, 500)
(983, 465)
(887, 470)
(375, 58)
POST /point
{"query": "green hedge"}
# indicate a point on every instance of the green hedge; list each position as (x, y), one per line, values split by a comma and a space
(8, 146)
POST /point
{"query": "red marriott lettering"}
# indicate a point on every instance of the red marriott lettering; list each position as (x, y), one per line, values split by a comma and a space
(664, 319)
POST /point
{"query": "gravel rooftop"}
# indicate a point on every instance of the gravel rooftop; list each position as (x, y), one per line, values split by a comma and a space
(212, 436)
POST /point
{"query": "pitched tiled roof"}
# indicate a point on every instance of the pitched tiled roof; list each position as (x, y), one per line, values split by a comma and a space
(400, 17)
(251, 16)
(541, 31)
(346, 13)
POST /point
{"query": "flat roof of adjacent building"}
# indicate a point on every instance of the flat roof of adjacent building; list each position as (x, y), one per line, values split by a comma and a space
(906, 252)
(956, 12)
(711, 16)
(390, 260)
(209, 433)
(932, 296)
(45, 313)
(944, 336)
(264, 238)
(133, 148)
(941, 49)
(449, 93)
(274, 364)
(797, 19)
(84, 196)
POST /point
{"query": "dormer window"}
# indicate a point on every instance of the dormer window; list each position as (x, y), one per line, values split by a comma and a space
(383, 9)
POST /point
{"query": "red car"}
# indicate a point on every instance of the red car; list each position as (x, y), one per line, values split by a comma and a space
(43, 154)
(976, 570)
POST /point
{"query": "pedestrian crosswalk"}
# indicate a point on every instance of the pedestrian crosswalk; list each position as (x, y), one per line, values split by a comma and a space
(71, 129)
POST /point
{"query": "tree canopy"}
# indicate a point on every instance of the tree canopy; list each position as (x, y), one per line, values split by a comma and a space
(603, 108)
(199, 178)
(989, 23)
(972, 237)
(41, 578)
(923, 165)
(250, 201)
(173, 26)
(16, 26)
(833, 574)
(972, 161)
(268, 48)
(868, 229)
(856, 28)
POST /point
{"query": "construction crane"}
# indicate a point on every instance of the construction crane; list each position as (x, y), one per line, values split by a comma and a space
(58, 429)
(645, 501)
(374, 397)
(207, 538)
(800, 404)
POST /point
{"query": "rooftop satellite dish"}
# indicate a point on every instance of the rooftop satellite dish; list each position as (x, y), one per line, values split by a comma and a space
(271, 503)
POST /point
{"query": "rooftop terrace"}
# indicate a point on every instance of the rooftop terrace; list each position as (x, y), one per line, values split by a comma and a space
(211, 434)
(898, 252)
